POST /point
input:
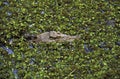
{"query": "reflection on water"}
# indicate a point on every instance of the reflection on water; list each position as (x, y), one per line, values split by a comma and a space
(110, 23)
(117, 43)
(7, 49)
(15, 71)
(87, 48)
(9, 13)
(6, 3)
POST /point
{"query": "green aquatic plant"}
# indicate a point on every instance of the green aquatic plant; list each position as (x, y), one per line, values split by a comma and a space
(94, 55)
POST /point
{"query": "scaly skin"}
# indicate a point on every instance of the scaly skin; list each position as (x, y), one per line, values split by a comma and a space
(53, 36)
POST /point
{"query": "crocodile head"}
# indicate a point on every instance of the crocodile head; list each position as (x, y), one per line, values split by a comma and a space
(56, 35)
(52, 36)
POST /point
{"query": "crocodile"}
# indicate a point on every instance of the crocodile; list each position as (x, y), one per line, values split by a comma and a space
(53, 36)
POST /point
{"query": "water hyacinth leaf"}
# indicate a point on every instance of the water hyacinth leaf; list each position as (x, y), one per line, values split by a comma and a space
(87, 57)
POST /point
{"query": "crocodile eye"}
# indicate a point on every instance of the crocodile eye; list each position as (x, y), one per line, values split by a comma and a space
(58, 32)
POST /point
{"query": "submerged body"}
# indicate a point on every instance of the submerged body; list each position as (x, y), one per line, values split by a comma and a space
(53, 36)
